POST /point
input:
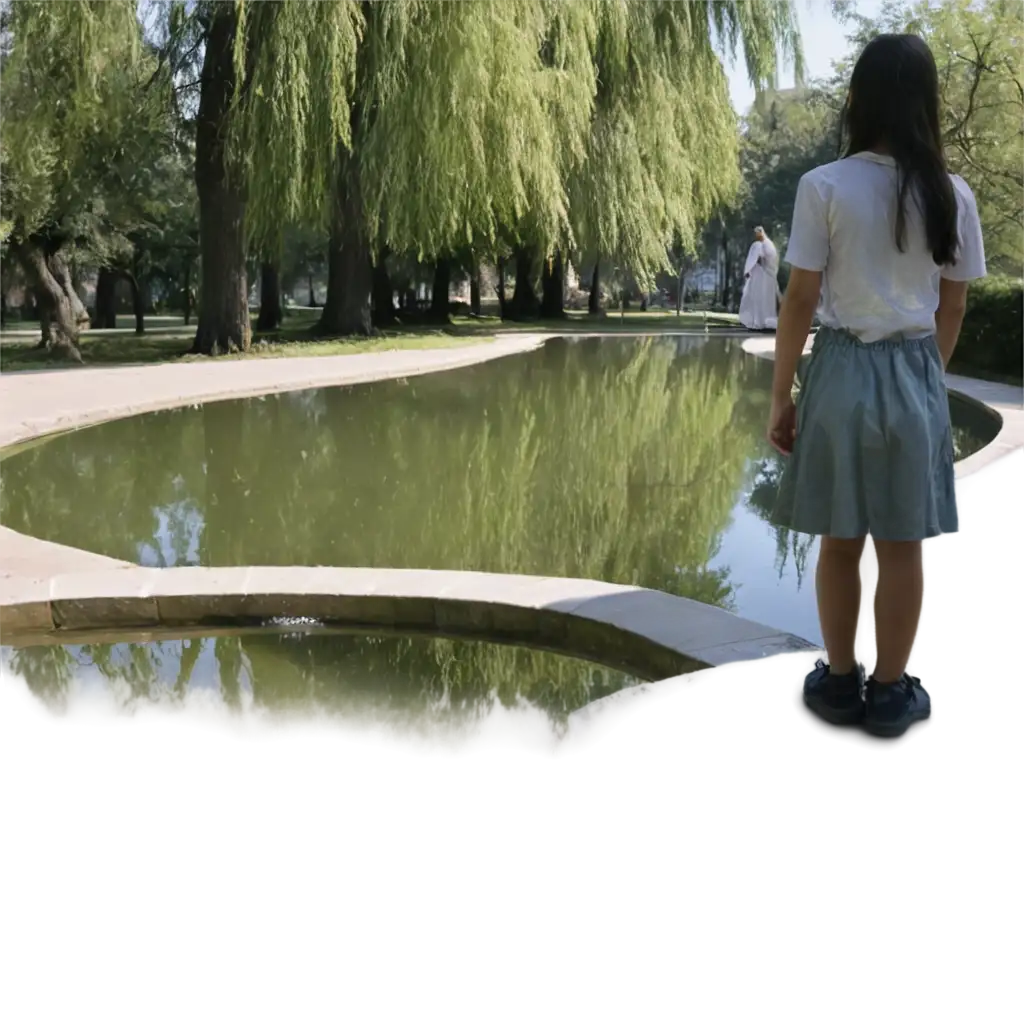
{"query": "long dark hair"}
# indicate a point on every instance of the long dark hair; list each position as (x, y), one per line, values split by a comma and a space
(894, 103)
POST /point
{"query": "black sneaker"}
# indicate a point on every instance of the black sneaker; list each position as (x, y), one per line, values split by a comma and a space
(837, 699)
(890, 709)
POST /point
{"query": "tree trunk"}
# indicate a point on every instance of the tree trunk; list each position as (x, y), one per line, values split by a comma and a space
(138, 303)
(224, 294)
(188, 292)
(312, 293)
(553, 288)
(270, 298)
(726, 272)
(62, 274)
(441, 289)
(383, 294)
(524, 304)
(60, 309)
(347, 309)
(474, 289)
(104, 315)
(594, 302)
(501, 289)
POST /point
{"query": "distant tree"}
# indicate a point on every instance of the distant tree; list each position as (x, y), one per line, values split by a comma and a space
(81, 105)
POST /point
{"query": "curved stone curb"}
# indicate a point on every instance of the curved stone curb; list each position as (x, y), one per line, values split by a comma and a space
(650, 633)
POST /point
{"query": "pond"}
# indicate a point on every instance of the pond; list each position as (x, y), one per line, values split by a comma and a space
(632, 460)
(403, 682)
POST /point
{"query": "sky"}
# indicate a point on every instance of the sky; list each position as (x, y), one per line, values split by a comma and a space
(824, 41)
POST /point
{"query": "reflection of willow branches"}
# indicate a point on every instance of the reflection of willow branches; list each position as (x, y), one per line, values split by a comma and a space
(48, 671)
(406, 681)
(625, 470)
(761, 500)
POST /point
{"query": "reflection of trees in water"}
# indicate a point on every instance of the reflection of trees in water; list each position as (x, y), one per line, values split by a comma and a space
(406, 681)
(611, 460)
(761, 500)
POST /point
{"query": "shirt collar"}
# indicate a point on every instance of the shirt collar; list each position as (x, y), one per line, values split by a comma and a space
(875, 158)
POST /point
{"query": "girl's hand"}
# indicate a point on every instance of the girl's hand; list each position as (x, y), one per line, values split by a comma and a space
(782, 425)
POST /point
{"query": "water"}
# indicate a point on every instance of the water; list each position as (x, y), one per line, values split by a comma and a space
(402, 682)
(637, 461)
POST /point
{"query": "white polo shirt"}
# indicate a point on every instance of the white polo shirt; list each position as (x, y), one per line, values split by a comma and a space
(844, 224)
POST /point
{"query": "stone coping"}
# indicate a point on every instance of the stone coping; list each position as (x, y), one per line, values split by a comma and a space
(647, 632)
(1004, 401)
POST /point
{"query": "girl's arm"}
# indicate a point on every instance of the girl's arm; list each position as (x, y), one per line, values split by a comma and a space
(798, 308)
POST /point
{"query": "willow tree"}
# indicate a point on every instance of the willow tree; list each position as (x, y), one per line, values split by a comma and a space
(663, 146)
(460, 127)
(273, 110)
(80, 105)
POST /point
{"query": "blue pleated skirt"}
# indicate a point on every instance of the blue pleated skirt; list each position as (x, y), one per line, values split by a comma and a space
(874, 448)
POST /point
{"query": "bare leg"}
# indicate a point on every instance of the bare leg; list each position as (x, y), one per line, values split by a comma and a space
(897, 605)
(838, 587)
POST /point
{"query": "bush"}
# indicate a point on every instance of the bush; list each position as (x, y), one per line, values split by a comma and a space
(992, 337)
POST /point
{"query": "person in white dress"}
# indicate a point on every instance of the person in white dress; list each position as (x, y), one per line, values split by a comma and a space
(759, 304)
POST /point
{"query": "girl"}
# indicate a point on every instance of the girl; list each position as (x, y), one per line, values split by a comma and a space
(887, 240)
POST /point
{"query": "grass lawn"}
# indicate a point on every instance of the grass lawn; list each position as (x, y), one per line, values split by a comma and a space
(167, 339)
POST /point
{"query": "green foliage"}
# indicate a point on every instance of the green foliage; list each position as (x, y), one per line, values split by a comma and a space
(992, 337)
(594, 127)
(467, 130)
(662, 146)
(295, 67)
(76, 120)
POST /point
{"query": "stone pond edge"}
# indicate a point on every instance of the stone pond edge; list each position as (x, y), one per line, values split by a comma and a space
(648, 633)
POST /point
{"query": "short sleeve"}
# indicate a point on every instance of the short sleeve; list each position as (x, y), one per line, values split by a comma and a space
(970, 256)
(808, 240)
